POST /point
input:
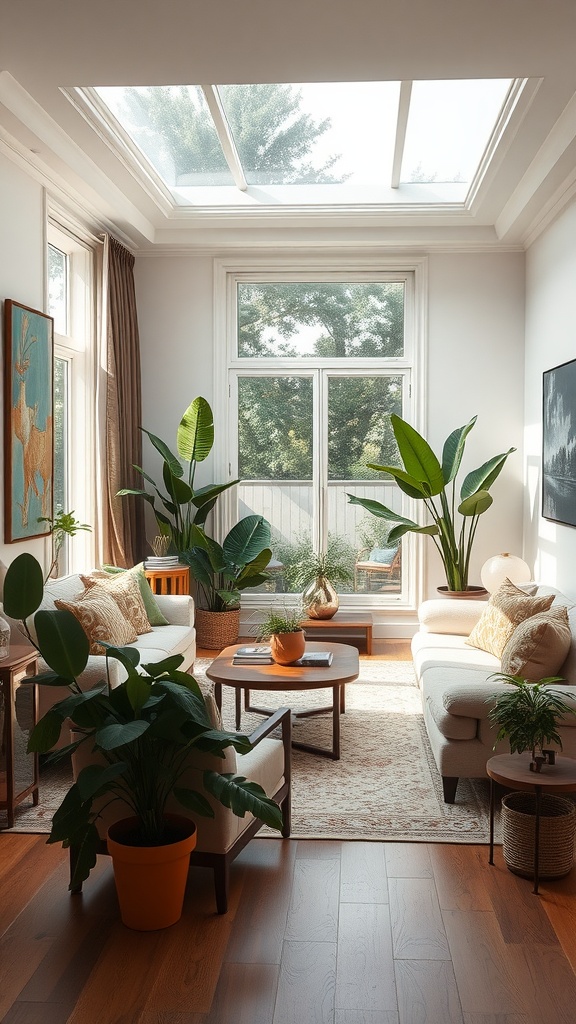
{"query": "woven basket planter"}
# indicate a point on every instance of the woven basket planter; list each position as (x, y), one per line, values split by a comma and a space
(557, 831)
(216, 630)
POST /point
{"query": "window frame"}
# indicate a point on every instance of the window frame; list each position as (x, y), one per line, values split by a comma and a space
(228, 366)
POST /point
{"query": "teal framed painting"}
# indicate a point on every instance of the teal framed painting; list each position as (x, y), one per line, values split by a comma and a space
(28, 422)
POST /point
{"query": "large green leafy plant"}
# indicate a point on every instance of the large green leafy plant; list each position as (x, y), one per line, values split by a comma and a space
(143, 731)
(222, 571)
(184, 504)
(433, 481)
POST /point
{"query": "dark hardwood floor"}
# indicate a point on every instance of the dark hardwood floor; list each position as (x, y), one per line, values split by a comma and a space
(317, 933)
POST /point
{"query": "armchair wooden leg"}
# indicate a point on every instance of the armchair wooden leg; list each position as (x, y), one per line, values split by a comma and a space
(449, 784)
(221, 883)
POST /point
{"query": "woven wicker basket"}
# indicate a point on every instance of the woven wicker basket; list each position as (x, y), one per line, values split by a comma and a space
(557, 831)
(216, 630)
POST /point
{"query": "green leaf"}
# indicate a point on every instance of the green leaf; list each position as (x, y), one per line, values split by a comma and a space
(246, 540)
(45, 734)
(94, 777)
(23, 587)
(86, 845)
(138, 691)
(167, 665)
(179, 490)
(381, 511)
(484, 477)
(414, 488)
(476, 504)
(235, 792)
(160, 446)
(419, 460)
(209, 493)
(195, 436)
(72, 816)
(398, 531)
(187, 700)
(194, 802)
(129, 657)
(119, 734)
(62, 642)
(47, 679)
(454, 450)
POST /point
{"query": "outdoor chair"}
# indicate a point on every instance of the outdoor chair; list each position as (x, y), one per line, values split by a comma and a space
(380, 565)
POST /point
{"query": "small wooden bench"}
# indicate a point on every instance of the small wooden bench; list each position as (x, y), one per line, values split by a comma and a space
(342, 624)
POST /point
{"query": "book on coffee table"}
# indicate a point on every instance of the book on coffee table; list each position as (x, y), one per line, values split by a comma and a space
(259, 654)
(315, 658)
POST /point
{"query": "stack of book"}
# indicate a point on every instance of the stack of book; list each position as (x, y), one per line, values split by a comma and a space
(162, 562)
(260, 654)
(313, 659)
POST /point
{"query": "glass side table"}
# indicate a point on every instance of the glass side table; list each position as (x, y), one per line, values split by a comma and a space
(18, 769)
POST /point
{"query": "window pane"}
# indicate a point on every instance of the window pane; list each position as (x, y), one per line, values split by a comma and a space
(320, 319)
(58, 288)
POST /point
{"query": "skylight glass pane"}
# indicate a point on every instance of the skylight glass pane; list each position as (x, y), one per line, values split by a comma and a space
(449, 126)
(321, 133)
(174, 129)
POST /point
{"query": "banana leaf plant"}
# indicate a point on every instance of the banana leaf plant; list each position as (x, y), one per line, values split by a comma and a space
(222, 571)
(184, 504)
(424, 477)
(143, 730)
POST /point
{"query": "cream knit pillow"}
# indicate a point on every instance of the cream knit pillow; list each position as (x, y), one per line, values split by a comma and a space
(539, 646)
(505, 610)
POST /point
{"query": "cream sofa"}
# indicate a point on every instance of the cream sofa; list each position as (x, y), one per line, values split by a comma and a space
(457, 691)
(178, 637)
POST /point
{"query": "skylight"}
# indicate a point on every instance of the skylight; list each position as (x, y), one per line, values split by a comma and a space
(306, 144)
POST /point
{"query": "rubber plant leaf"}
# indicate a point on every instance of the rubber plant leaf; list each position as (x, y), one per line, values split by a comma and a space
(63, 642)
(454, 450)
(419, 460)
(23, 587)
(246, 540)
(195, 436)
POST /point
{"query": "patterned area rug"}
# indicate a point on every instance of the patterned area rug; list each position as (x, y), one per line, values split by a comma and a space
(386, 785)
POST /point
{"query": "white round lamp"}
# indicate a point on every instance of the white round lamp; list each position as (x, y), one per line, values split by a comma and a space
(501, 567)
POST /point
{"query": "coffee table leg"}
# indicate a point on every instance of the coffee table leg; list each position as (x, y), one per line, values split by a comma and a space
(491, 857)
(238, 700)
(336, 721)
(218, 695)
(538, 790)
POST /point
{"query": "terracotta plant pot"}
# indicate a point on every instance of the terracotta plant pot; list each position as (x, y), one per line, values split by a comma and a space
(151, 880)
(287, 647)
(470, 592)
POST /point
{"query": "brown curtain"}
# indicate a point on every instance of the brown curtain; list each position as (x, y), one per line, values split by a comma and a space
(123, 518)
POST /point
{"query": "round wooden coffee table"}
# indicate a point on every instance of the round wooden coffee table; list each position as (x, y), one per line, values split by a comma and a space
(513, 771)
(274, 678)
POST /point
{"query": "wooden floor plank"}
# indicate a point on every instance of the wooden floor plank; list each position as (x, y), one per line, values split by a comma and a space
(25, 863)
(313, 910)
(459, 880)
(259, 926)
(246, 994)
(363, 873)
(558, 900)
(318, 849)
(306, 984)
(496, 1018)
(36, 1013)
(484, 966)
(521, 914)
(365, 974)
(408, 860)
(555, 1001)
(427, 992)
(366, 1017)
(417, 926)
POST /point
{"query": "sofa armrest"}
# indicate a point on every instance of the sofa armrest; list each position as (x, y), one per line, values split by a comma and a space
(177, 608)
(450, 615)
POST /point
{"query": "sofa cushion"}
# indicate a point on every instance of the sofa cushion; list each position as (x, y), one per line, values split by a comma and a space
(153, 612)
(539, 646)
(100, 618)
(126, 592)
(505, 610)
(438, 650)
(171, 639)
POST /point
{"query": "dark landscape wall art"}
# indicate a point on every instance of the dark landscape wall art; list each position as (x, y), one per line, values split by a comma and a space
(559, 444)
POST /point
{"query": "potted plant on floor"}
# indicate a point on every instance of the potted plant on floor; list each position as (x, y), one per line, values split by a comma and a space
(222, 572)
(425, 478)
(283, 629)
(527, 715)
(142, 732)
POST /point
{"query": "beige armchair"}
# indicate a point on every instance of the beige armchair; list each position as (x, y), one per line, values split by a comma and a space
(220, 839)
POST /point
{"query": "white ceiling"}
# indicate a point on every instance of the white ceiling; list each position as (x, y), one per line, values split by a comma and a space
(48, 45)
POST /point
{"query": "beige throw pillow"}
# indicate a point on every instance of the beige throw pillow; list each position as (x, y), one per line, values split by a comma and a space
(126, 592)
(505, 610)
(539, 646)
(101, 619)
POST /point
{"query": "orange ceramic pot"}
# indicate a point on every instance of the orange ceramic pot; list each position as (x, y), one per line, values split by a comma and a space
(286, 648)
(151, 880)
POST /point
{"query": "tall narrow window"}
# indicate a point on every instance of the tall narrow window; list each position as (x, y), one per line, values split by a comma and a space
(318, 367)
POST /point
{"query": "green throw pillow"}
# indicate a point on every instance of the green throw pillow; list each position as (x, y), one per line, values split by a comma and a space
(155, 616)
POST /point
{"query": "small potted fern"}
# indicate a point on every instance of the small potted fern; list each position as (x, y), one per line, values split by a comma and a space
(283, 629)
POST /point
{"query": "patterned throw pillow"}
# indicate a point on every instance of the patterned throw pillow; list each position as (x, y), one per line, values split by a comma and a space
(126, 592)
(505, 610)
(155, 616)
(539, 646)
(101, 619)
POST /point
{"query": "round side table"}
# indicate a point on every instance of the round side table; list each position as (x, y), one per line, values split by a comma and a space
(169, 581)
(513, 771)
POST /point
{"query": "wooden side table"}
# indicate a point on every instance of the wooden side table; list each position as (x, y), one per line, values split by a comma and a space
(169, 581)
(18, 769)
(513, 771)
(343, 624)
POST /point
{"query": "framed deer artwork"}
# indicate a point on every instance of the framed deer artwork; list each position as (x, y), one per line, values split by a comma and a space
(28, 422)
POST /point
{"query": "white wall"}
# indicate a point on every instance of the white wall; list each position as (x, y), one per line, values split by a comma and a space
(550, 340)
(475, 365)
(22, 279)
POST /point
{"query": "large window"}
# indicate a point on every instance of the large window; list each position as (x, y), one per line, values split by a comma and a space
(317, 363)
(70, 301)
